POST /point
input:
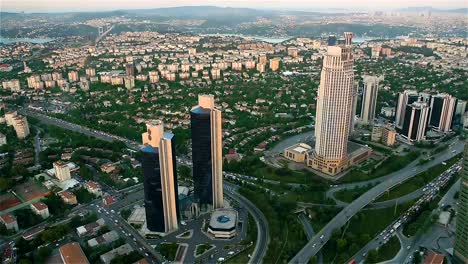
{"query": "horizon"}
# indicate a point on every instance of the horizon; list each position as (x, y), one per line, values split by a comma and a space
(49, 6)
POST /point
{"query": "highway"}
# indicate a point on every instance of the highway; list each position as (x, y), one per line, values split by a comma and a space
(263, 237)
(315, 244)
(80, 129)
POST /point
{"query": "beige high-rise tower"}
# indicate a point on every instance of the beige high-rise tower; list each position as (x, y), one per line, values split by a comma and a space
(160, 183)
(334, 109)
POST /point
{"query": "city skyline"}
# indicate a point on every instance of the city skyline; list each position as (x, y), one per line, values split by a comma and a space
(299, 5)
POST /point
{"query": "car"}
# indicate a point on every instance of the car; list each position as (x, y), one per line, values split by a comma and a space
(314, 245)
(220, 259)
(322, 236)
(231, 253)
(134, 239)
(116, 221)
(408, 247)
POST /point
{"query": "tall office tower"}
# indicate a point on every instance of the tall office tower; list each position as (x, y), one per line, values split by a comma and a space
(353, 112)
(415, 123)
(160, 179)
(442, 112)
(405, 98)
(274, 64)
(461, 242)
(369, 98)
(129, 69)
(207, 150)
(334, 108)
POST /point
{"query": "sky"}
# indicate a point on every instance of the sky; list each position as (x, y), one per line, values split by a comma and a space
(105, 5)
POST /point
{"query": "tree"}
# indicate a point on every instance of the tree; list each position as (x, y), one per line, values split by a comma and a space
(341, 244)
(43, 253)
(372, 256)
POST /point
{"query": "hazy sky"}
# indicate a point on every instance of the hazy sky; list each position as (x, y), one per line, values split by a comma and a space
(96, 5)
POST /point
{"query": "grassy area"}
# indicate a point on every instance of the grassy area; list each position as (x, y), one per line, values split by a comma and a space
(254, 167)
(203, 248)
(287, 234)
(392, 164)
(320, 216)
(168, 250)
(389, 250)
(417, 181)
(351, 195)
(362, 227)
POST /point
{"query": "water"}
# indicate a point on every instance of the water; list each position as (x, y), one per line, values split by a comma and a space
(29, 40)
(273, 40)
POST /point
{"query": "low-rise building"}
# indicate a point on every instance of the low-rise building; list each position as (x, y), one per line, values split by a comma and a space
(103, 239)
(9, 221)
(3, 139)
(297, 152)
(68, 197)
(71, 253)
(93, 187)
(385, 134)
(40, 209)
(223, 223)
(107, 257)
(91, 228)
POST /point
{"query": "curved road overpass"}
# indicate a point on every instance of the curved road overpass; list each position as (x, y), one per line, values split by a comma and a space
(316, 243)
(263, 237)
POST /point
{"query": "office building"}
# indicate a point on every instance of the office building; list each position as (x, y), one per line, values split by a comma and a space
(461, 241)
(334, 109)
(404, 99)
(207, 151)
(443, 108)
(129, 82)
(369, 98)
(415, 122)
(9, 117)
(160, 179)
(62, 171)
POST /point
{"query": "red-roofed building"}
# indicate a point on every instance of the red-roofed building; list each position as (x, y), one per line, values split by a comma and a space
(9, 221)
(93, 188)
(108, 200)
(41, 209)
(434, 258)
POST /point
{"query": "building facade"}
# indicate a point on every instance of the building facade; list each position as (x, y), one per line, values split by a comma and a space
(62, 171)
(160, 179)
(443, 108)
(369, 98)
(415, 122)
(334, 109)
(461, 242)
(404, 99)
(207, 150)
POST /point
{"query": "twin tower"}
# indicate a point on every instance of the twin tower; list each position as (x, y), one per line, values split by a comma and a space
(160, 168)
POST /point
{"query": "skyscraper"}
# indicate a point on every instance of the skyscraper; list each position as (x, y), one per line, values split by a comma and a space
(160, 179)
(334, 109)
(461, 242)
(404, 99)
(207, 150)
(442, 112)
(415, 123)
(369, 98)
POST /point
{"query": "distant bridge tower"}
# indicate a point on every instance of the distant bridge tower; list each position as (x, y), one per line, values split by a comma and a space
(100, 31)
(108, 26)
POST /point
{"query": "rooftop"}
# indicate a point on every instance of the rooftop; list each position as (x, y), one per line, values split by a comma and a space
(223, 219)
(72, 253)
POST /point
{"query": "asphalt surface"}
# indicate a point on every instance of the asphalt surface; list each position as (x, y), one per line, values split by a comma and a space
(309, 230)
(393, 179)
(263, 237)
(80, 129)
